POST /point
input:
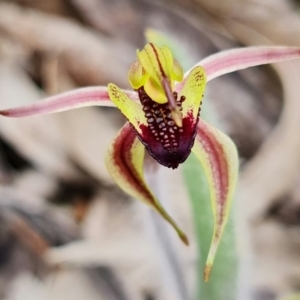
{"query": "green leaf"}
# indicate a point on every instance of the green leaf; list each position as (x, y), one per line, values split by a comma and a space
(293, 297)
(223, 280)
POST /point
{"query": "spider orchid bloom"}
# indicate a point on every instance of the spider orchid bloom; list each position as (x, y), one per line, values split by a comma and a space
(163, 118)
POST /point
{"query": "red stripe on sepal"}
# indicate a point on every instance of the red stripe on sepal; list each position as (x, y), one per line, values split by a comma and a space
(218, 156)
(124, 161)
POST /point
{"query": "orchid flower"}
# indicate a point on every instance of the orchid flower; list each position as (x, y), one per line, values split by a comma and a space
(163, 118)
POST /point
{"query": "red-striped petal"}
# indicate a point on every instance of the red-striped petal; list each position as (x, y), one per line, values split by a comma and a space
(91, 96)
(236, 59)
(124, 161)
(218, 156)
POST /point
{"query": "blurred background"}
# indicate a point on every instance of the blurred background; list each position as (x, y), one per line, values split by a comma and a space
(66, 231)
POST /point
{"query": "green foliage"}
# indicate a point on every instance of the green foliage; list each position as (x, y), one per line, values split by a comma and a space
(293, 297)
(222, 283)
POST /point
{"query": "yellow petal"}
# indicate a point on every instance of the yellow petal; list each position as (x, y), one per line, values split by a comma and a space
(154, 62)
(218, 156)
(156, 37)
(124, 161)
(155, 91)
(137, 75)
(177, 72)
(168, 58)
(193, 91)
(129, 108)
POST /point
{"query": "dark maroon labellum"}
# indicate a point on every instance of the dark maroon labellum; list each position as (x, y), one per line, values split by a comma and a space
(167, 143)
